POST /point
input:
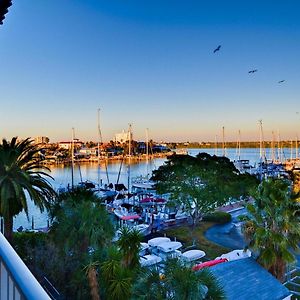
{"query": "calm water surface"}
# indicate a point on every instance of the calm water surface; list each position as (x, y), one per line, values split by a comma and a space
(62, 176)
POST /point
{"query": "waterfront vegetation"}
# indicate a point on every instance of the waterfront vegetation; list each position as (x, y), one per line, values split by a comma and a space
(198, 185)
(80, 259)
(272, 225)
(178, 282)
(21, 174)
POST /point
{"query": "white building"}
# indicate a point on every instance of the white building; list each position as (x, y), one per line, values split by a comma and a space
(41, 140)
(123, 137)
(68, 145)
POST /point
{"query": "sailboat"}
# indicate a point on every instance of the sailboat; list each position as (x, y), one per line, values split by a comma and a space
(243, 165)
(140, 183)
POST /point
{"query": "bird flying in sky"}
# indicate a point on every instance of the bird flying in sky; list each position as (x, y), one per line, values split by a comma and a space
(217, 49)
(281, 81)
(252, 71)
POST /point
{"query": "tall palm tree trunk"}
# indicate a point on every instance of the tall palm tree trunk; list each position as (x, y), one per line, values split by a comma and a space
(8, 228)
(93, 282)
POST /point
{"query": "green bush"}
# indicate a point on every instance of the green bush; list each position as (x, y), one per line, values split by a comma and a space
(22, 241)
(218, 217)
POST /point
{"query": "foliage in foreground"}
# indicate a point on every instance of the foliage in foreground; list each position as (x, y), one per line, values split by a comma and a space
(272, 225)
(178, 282)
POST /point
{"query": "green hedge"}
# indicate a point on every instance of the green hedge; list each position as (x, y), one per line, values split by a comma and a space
(218, 217)
(22, 241)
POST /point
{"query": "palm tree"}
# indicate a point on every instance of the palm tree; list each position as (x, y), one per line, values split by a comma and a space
(178, 282)
(81, 222)
(21, 173)
(272, 226)
(129, 244)
(83, 229)
(91, 274)
(117, 278)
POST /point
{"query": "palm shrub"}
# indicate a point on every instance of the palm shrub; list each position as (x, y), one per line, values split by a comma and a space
(272, 225)
(129, 245)
(83, 230)
(117, 279)
(178, 282)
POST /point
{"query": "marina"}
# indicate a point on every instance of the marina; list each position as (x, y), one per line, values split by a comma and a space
(117, 171)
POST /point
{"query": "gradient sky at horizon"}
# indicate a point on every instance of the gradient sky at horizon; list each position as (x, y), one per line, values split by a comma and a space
(150, 63)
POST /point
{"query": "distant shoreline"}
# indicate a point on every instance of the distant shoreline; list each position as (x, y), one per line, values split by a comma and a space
(233, 145)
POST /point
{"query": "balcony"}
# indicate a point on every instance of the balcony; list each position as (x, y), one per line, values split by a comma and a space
(16, 281)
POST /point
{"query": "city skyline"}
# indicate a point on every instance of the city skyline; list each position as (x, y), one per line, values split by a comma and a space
(152, 65)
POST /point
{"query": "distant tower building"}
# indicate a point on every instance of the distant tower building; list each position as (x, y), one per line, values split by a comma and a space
(41, 140)
(123, 137)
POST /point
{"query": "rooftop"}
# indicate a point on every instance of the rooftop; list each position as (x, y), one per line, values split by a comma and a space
(246, 279)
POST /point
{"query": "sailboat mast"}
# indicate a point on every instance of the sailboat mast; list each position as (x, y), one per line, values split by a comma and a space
(291, 149)
(239, 145)
(72, 156)
(262, 151)
(279, 148)
(273, 147)
(147, 144)
(99, 139)
(147, 150)
(129, 156)
(223, 141)
(216, 144)
(296, 147)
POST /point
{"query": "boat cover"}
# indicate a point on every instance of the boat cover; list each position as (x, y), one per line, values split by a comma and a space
(157, 241)
(149, 260)
(169, 246)
(192, 255)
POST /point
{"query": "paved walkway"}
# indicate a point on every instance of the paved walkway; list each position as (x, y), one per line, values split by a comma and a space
(232, 207)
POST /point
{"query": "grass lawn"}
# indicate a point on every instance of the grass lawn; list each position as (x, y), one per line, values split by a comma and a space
(186, 235)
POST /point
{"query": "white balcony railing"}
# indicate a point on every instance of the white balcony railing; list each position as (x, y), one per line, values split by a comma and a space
(16, 281)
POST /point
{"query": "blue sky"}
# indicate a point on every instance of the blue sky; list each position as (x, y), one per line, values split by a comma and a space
(150, 63)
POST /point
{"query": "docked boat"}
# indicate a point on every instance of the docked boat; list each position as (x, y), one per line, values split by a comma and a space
(192, 255)
(235, 255)
(143, 248)
(120, 211)
(168, 250)
(157, 241)
(143, 229)
(150, 260)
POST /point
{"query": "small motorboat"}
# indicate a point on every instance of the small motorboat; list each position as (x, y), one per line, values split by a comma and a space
(149, 260)
(169, 246)
(168, 250)
(192, 255)
(157, 241)
(236, 254)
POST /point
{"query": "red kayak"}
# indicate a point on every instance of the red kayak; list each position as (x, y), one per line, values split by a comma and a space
(209, 264)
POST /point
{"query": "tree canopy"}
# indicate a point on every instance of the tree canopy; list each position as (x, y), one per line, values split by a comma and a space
(202, 183)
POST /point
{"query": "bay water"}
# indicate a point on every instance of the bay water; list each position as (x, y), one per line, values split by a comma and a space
(91, 171)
